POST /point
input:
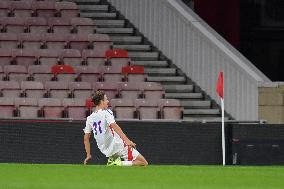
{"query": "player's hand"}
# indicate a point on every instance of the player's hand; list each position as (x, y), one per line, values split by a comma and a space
(132, 144)
(87, 159)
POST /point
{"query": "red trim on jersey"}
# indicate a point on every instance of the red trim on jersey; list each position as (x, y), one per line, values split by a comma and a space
(130, 156)
(112, 132)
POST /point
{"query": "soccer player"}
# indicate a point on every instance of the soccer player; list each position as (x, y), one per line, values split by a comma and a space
(111, 140)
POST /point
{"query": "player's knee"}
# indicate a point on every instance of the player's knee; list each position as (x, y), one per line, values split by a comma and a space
(145, 162)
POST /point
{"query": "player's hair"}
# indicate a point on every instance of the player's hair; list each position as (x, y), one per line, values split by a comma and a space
(97, 97)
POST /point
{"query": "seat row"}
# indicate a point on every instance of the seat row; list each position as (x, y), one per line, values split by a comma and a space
(99, 42)
(69, 73)
(26, 8)
(79, 108)
(63, 25)
(59, 89)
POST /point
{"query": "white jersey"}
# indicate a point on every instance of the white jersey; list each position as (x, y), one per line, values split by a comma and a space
(107, 139)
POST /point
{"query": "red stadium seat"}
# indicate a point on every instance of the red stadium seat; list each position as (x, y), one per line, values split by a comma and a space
(63, 72)
(134, 73)
(117, 57)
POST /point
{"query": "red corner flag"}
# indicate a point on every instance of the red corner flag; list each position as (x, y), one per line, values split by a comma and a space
(220, 85)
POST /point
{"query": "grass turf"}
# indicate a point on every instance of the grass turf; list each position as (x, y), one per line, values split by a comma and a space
(42, 176)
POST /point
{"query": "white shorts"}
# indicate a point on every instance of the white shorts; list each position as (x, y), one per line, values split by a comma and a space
(127, 153)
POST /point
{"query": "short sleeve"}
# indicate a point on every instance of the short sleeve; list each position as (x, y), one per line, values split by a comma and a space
(109, 116)
(88, 128)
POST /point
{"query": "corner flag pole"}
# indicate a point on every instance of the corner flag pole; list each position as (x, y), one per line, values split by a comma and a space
(220, 91)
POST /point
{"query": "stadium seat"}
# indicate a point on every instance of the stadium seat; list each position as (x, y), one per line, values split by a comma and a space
(10, 89)
(109, 88)
(75, 107)
(88, 73)
(37, 25)
(92, 57)
(123, 108)
(7, 107)
(83, 25)
(40, 72)
(67, 9)
(13, 24)
(55, 41)
(134, 73)
(101, 43)
(71, 57)
(27, 107)
(4, 8)
(16, 72)
(51, 107)
(129, 90)
(2, 73)
(24, 57)
(33, 89)
(21, 9)
(78, 41)
(81, 89)
(171, 109)
(57, 89)
(5, 56)
(153, 90)
(9, 41)
(112, 73)
(147, 109)
(117, 57)
(59, 25)
(31, 40)
(49, 57)
(44, 9)
(63, 73)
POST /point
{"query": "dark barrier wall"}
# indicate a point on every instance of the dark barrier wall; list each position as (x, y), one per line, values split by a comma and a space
(160, 143)
(258, 144)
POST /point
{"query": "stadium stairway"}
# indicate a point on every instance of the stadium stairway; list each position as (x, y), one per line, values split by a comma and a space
(197, 105)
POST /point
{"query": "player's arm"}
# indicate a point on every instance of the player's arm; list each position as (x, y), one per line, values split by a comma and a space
(119, 131)
(87, 147)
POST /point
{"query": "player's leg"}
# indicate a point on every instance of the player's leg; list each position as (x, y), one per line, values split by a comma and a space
(140, 161)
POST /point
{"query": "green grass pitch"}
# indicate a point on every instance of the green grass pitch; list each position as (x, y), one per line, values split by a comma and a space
(42, 176)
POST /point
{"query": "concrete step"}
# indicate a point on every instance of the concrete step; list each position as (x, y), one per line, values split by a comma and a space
(93, 8)
(161, 71)
(151, 63)
(178, 88)
(87, 2)
(133, 47)
(110, 23)
(196, 104)
(126, 39)
(201, 111)
(204, 119)
(115, 30)
(99, 15)
(184, 95)
(167, 79)
(143, 55)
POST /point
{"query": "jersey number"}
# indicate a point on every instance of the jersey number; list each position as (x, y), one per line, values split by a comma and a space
(96, 126)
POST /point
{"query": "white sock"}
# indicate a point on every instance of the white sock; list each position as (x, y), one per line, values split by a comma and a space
(126, 163)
